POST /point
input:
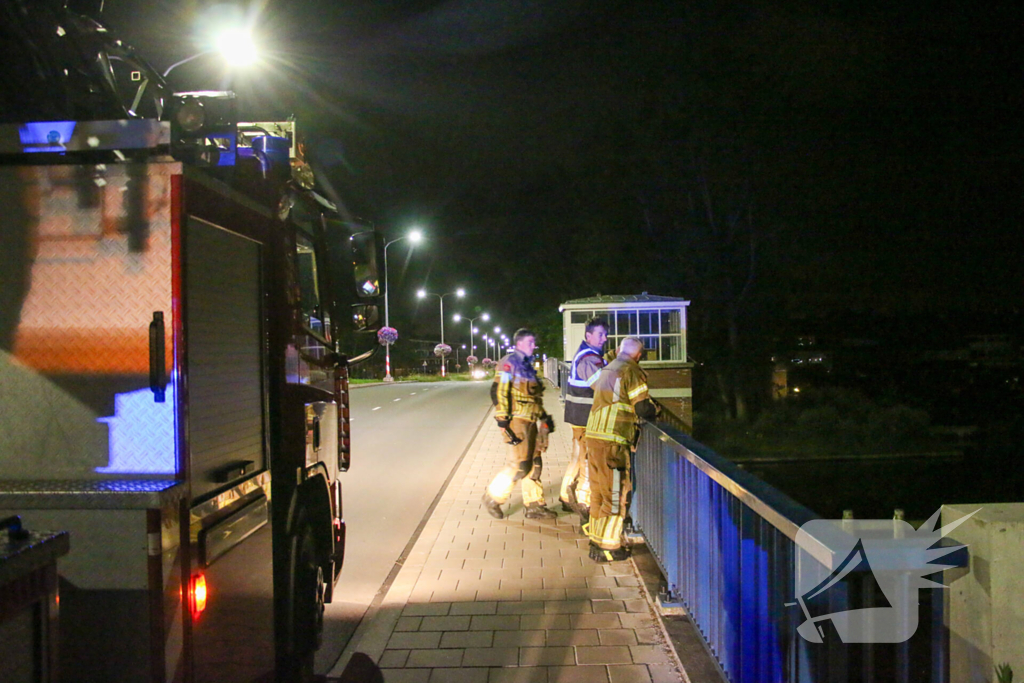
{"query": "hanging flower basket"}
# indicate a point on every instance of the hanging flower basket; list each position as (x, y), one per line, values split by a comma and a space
(442, 350)
(472, 360)
(387, 335)
(488, 362)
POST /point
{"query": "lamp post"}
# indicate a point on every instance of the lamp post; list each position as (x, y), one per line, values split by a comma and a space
(414, 236)
(483, 316)
(422, 294)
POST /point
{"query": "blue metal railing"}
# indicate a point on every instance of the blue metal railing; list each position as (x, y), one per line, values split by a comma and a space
(726, 544)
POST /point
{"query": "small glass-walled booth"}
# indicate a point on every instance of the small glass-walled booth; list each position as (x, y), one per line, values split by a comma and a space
(660, 321)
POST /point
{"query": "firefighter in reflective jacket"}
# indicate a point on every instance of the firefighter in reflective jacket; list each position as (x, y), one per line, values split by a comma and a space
(519, 408)
(620, 398)
(579, 397)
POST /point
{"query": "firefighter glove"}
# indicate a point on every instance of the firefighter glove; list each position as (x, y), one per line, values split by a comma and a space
(550, 422)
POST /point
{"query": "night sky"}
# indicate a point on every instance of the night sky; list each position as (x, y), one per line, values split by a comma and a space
(766, 157)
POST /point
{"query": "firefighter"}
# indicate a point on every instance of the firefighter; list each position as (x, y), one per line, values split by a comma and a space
(621, 398)
(519, 408)
(579, 397)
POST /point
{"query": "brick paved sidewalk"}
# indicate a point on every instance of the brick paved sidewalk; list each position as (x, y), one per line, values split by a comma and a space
(481, 600)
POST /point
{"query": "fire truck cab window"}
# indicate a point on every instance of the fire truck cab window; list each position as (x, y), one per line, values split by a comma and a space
(309, 290)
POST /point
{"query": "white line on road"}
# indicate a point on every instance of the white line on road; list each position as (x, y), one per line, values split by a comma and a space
(413, 393)
(396, 400)
(377, 408)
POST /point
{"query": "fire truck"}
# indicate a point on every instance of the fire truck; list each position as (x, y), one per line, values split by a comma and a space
(178, 302)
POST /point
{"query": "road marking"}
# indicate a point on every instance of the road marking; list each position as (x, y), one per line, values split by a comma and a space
(413, 393)
(377, 408)
(396, 400)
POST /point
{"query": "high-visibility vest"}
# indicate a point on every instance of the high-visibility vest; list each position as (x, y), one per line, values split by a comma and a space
(579, 391)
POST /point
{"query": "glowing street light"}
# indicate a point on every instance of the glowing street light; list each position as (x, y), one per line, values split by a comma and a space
(422, 294)
(414, 236)
(235, 45)
(472, 330)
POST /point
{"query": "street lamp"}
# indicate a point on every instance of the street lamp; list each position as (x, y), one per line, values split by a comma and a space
(414, 236)
(234, 44)
(422, 294)
(483, 316)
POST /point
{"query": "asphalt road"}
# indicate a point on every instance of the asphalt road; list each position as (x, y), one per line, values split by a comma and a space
(406, 439)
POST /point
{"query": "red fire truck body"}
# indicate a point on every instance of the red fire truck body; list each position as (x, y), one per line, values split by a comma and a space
(173, 393)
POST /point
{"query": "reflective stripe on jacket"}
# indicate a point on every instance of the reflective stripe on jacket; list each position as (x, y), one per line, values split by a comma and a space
(619, 387)
(519, 390)
(579, 393)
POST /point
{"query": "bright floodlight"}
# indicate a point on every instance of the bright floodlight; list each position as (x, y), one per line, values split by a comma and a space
(237, 46)
(456, 317)
(497, 330)
(485, 317)
(460, 292)
(420, 294)
(415, 236)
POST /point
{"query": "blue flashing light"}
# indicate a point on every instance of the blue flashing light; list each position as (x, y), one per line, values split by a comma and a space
(46, 136)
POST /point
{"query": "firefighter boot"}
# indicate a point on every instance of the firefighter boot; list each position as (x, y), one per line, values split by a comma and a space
(539, 511)
(601, 556)
(493, 507)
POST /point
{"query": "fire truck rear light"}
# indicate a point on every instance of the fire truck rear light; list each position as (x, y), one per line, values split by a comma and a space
(198, 594)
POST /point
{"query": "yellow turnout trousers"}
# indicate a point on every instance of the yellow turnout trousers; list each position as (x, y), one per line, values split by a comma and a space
(609, 491)
(523, 465)
(577, 469)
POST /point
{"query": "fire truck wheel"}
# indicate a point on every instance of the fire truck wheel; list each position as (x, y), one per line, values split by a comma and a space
(308, 588)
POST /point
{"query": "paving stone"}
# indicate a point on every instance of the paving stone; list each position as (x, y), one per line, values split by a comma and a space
(591, 569)
(573, 637)
(522, 607)
(629, 673)
(598, 621)
(545, 621)
(639, 606)
(414, 641)
(457, 574)
(524, 674)
(458, 676)
(490, 656)
(434, 658)
(618, 636)
(604, 654)
(499, 573)
(449, 595)
(544, 594)
(406, 675)
(638, 621)
(627, 581)
(627, 593)
(575, 674)
(567, 607)
(661, 673)
(546, 656)
(393, 659)
(499, 594)
(499, 622)
(588, 593)
(526, 563)
(449, 623)
(618, 569)
(602, 606)
(571, 582)
(408, 624)
(650, 654)
(476, 607)
(468, 639)
(601, 581)
(648, 636)
(425, 610)
(521, 638)
(523, 584)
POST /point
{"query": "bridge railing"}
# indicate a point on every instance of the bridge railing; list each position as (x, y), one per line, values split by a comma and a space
(726, 544)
